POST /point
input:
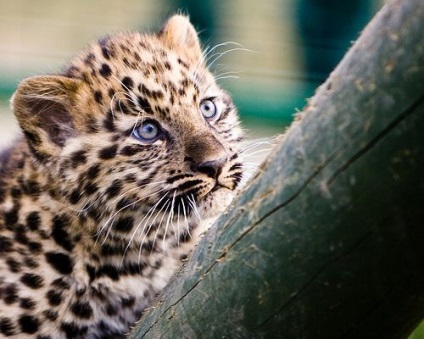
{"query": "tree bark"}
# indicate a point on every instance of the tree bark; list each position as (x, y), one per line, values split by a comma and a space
(327, 240)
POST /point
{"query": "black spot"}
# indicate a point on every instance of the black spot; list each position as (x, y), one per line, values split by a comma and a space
(182, 63)
(6, 327)
(50, 315)
(71, 71)
(184, 237)
(31, 187)
(126, 62)
(5, 244)
(100, 293)
(128, 302)
(189, 184)
(149, 246)
(10, 294)
(88, 60)
(14, 265)
(32, 137)
(32, 280)
(91, 124)
(72, 330)
(82, 310)
(54, 297)
(27, 303)
(94, 213)
(127, 83)
(108, 152)
(108, 122)
(77, 238)
(60, 262)
(93, 171)
(30, 262)
(110, 250)
(20, 234)
(75, 196)
(130, 178)
(157, 264)
(121, 107)
(144, 105)
(144, 90)
(60, 283)
(60, 234)
(114, 189)
(78, 158)
(43, 234)
(111, 311)
(115, 137)
(98, 97)
(42, 336)
(91, 272)
(132, 268)
(15, 192)
(28, 323)
(35, 247)
(2, 192)
(38, 153)
(130, 150)
(171, 180)
(80, 291)
(164, 111)
(124, 225)
(126, 203)
(11, 217)
(33, 221)
(105, 71)
(109, 271)
(137, 57)
(104, 48)
(90, 188)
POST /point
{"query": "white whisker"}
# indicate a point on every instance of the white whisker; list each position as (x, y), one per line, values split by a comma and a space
(194, 207)
(220, 55)
(170, 217)
(260, 151)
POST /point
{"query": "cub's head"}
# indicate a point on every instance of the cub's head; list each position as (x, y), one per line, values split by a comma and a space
(135, 133)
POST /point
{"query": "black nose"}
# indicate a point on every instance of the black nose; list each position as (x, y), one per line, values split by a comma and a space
(212, 168)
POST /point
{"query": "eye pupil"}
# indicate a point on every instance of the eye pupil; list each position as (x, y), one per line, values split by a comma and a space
(149, 129)
(147, 132)
(208, 108)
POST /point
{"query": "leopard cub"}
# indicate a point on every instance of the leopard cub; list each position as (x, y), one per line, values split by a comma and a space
(123, 160)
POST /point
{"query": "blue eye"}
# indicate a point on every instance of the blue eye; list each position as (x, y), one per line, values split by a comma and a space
(208, 109)
(148, 131)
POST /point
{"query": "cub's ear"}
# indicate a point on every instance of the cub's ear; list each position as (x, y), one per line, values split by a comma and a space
(178, 33)
(43, 106)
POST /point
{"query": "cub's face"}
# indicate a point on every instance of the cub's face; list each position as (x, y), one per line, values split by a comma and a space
(136, 132)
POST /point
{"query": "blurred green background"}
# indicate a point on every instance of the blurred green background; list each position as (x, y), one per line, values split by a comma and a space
(285, 48)
(288, 47)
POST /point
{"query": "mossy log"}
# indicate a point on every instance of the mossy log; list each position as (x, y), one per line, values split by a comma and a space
(327, 241)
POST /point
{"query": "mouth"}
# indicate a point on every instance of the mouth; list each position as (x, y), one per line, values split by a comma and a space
(216, 187)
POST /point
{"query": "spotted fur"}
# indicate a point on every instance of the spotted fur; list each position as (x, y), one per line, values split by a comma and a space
(93, 220)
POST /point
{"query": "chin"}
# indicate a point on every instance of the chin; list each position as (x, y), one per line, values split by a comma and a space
(216, 202)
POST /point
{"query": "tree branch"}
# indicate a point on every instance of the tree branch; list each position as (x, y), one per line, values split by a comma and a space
(327, 239)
